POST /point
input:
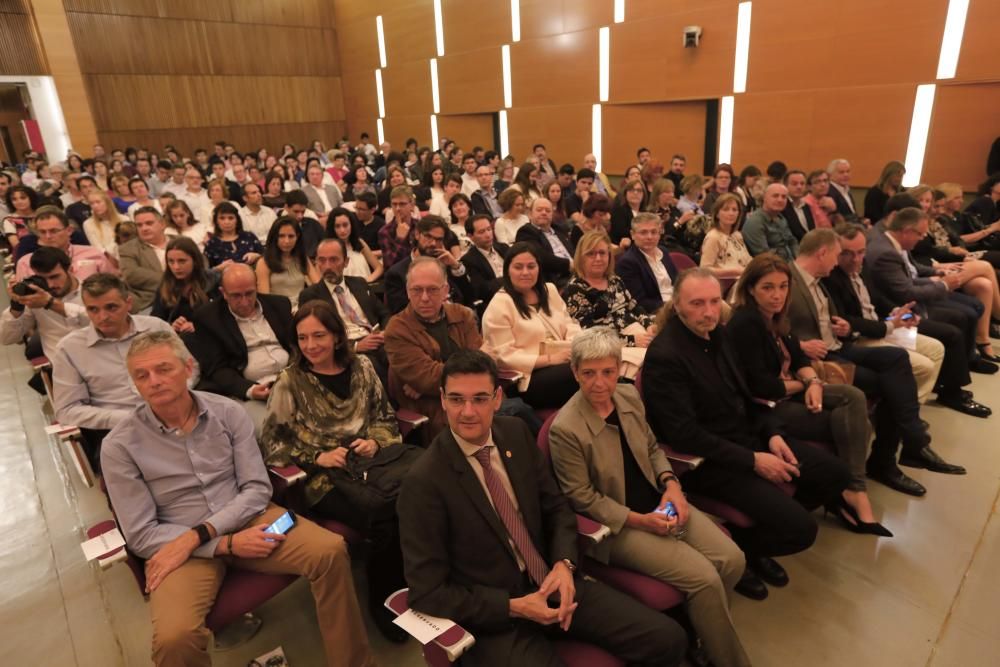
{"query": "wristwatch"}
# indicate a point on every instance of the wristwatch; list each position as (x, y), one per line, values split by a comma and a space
(52, 300)
(570, 564)
(666, 477)
(203, 534)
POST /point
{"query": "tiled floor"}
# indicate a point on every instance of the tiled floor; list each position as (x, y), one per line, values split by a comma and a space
(929, 597)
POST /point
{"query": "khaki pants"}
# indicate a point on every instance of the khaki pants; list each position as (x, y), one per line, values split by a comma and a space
(179, 605)
(926, 361)
(705, 565)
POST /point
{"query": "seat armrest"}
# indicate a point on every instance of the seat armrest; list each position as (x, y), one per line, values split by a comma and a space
(596, 532)
(411, 418)
(509, 375)
(115, 555)
(289, 474)
(689, 460)
(38, 363)
(452, 642)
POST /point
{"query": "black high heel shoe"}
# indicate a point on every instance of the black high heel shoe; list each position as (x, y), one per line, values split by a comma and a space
(986, 355)
(842, 510)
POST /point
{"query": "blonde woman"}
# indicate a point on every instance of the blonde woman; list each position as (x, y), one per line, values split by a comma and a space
(99, 228)
(723, 251)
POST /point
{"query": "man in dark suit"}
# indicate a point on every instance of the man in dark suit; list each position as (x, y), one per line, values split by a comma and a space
(646, 267)
(556, 248)
(431, 233)
(242, 341)
(798, 215)
(484, 260)
(840, 188)
(698, 402)
(365, 316)
(484, 200)
(490, 542)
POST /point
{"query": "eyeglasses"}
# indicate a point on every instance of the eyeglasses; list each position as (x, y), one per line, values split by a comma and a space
(478, 401)
(596, 254)
(429, 291)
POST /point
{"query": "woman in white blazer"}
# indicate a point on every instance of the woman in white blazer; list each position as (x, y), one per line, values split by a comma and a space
(527, 329)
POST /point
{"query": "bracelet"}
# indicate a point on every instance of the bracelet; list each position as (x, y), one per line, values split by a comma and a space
(229, 544)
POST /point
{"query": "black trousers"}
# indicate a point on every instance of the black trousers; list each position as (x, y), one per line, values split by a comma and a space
(606, 617)
(550, 387)
(782, 524)
(92, 439)
(884, 373)
(951, 327)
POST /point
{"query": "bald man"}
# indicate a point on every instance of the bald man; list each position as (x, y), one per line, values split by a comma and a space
(242, 340)
(766, 229)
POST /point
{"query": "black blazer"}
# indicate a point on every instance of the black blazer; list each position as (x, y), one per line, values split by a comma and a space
(395, 287)
(759, 354)
(982, 206)
(793, 220)
(220, 348)
(371, 306)
(699, 407)
(484, 282)
(554, 269)
(843, 207)
(633, 268)
(621, 223)
(845, 300)
(479, 205)
(456, 551)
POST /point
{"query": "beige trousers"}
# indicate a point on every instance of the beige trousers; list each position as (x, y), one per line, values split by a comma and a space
(926, 361)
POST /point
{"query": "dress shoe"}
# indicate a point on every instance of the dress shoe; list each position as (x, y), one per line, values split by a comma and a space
(982, 366)
(769, 570)
(966, 406)
(751, 586)
(927, 458)
(896, 479)
(986, 354)
(852, 522)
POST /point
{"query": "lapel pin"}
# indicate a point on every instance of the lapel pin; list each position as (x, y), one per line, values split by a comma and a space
(509, 455)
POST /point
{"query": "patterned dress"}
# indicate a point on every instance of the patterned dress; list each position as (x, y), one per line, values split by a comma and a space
(612, 307)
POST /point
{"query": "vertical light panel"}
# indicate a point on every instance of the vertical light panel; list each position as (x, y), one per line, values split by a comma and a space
(435, 95)
(505, 58)
(515, 20)
(381, 131)
(603, 62)
(504, 141)
(378, 92)
(742, 48)
(726, 129)
(439, 27)
(923, 107)
(595, 134)
(619, 11)
(381, 41)
(434, 130)
(951, 43)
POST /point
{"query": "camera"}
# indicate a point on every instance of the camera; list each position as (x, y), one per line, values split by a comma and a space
(22, 288)
(692, 35)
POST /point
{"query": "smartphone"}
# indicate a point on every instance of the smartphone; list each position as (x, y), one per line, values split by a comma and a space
(282, 524)
(668, 510)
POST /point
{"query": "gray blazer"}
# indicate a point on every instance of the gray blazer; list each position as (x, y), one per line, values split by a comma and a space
(316, 204)
(802, 312)
(891, 278)
(587, 459)
(141, 270)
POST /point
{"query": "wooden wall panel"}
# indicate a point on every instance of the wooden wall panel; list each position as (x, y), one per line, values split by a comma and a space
(360, 103)
(565, 131)
(966, 121)
(406, 87)
(246, 137)
(650, 63)
(664, 128)
(472, 26)
(467, 83)
(400, 127)
(357, 37)
(20, 50)
(560, 70)
(843, 43)
(637, 10)
(468, 130)
(978, 58)
(868, 126)
(545, 18)
(409, 30)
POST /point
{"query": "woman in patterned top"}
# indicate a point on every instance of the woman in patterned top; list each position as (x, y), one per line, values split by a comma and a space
(595, 296)
(723, 251)
(230, 242)
(325, 408)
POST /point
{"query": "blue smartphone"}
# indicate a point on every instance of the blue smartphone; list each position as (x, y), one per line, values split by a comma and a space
(906, 317)
(668, 510)
(282, 524)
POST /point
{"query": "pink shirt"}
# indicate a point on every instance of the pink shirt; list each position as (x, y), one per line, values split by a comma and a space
(820, 217)
(85, 261)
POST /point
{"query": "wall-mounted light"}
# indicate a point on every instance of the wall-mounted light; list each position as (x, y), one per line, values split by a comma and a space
(951, 43)
(515, 20)
(619, 11)
(381, 41)
(595, 134)
(726, 129)
(378, 92)
(435, 95)
(603, 61)
(505, 58)
(742, 48)
(381, 131)
(923, 107)
(504, 142)
(439, 27)
(434, 130)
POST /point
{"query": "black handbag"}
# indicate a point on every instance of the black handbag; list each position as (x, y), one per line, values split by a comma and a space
(371, 485)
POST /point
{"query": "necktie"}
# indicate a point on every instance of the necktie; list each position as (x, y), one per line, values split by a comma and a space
(537, 569)
(345, 305)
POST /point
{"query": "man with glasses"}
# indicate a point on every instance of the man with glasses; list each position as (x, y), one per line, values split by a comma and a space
(53, 230)
(490, 542)
(484, 199)
(646, 267)
(431, 233)
(396, 238)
